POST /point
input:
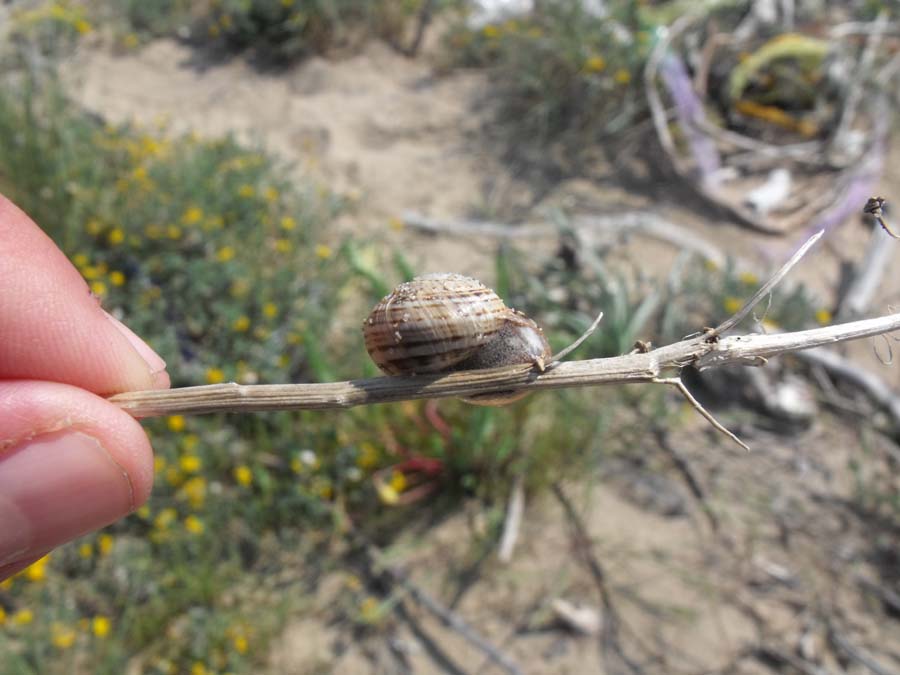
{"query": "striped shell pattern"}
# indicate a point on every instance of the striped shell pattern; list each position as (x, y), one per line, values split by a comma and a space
(442, 322)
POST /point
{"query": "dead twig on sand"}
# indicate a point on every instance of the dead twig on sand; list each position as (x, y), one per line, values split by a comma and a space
(610, 631)
(684, 468)
(451, 620)
(513, 522)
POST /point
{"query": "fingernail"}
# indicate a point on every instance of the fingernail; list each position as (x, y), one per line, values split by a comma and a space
(55, 488)
(154, 360)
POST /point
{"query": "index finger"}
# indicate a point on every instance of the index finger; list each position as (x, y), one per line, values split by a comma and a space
(52, 327)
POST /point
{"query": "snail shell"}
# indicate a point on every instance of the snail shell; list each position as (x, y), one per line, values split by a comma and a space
(445, 322)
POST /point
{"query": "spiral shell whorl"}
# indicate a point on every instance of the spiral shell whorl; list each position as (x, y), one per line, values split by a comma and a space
(432, 323)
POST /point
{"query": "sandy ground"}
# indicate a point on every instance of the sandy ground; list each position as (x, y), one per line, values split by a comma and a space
(786, 573)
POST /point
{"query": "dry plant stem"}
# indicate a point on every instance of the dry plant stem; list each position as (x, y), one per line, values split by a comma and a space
(679, 385)
(868, 275)
(559, 356)
(627, 369)
(451, 620)
(767, 287)
(513, 522)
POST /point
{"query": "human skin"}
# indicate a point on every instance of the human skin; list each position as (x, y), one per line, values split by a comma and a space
(70, 462)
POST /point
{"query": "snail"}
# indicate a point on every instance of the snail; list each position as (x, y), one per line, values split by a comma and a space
(441, 323)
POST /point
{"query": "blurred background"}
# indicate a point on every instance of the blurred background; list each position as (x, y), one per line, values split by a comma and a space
(240, 180)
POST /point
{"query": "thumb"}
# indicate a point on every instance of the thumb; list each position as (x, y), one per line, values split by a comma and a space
(70, 463)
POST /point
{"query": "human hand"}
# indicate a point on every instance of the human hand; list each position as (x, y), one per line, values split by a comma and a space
(70, 462)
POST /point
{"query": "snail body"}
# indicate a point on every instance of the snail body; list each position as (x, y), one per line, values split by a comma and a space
(441, 323)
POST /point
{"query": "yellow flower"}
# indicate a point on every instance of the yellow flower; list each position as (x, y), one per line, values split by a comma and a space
(199, 669)
(116, 278)
(622, 76)
(143, 512)
(595, 64)
(288, 223)
(246, 190)
(732, 304)
(100, 626)
(284, 3)
(370, 610)
(748, 278)
(2, 616)
(62, 636)
(240, 641)
(165, 518)
(192, 216)
(86, 550)
(23, 617)
(215, 375)
(490, 31)
(823, 316)
(174, 476)
(173, 232)
(368, 456)
(175, 423)
(159, 463)
(225, 254)
(98, 288)
(387, 494)
(83, 27)
(398, 481)
(283, 245)
(115, 236)
(396, 224)
(194, 489)
(193, 525)
(323, 488)
(323, 252)
(241, 324)
(243, 475)
(271, 194)
(190, 463)
(93, 227)
(37, 571)
(130, 41)
(270, 310)
(80, 259)
(105, 544)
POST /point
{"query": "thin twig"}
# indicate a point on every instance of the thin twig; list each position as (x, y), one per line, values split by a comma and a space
(855, 93)
(857, 654)
(513, 523)
(683, 466)
(868, 275)
(679, 385)
(630, 368)
(559, 356)
(767, 287)
(449, 618)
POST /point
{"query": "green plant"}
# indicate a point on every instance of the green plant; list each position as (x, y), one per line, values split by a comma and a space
(560, 72)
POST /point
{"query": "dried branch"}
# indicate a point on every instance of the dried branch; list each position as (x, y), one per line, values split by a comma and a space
(627, 369)
(513, 523)
(767, 287)
(679, 385)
